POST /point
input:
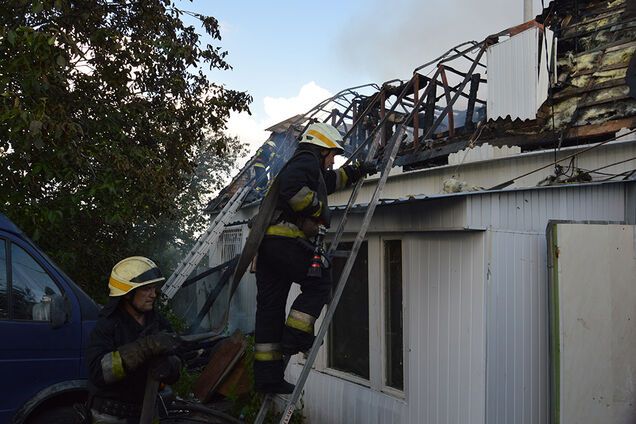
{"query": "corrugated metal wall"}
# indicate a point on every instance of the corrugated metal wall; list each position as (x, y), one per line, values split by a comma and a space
(517, 339)
(530, 210)
(517, 336)
(517, 75)
(336, 401)
(446, 340)
(515, 342)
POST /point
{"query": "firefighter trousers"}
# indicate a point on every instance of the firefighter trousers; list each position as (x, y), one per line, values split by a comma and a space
(281, 262)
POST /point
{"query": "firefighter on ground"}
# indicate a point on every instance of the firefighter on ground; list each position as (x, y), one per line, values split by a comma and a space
(285, 254)
(264, 157)
(128, 340)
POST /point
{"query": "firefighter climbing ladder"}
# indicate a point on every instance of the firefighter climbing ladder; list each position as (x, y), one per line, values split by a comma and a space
(394, 145)
(390, 152)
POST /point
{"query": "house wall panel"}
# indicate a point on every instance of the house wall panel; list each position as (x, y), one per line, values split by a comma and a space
(446, 350)
(517, 337)
(409, 217)
(333, 400)
(530, 210)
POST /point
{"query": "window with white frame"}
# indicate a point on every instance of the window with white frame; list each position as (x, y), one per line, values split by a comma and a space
(365, 341)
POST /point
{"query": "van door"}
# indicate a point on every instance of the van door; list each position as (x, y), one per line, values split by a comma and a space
(34, 355)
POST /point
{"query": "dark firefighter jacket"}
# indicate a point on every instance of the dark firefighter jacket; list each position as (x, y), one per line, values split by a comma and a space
(107, 377)
(265, 155)
(304, 187)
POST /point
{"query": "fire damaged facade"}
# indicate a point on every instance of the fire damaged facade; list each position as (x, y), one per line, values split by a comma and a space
(466, 303)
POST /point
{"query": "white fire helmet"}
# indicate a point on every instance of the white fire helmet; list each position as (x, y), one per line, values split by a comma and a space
(323, 135)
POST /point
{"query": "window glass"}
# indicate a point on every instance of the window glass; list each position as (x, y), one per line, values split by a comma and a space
(349, 332)
(393, 313)
(4, 304)
(32, 287)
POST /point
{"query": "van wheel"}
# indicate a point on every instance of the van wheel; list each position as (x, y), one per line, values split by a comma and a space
(57, 415)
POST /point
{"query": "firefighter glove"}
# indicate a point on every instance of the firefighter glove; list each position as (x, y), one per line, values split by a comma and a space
(134, 354)
(366, 168)
(166, 369)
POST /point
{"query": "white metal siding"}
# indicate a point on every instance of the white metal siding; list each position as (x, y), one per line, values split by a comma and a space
(434, 215)
(530, 210)
(517, 336)
(517, 76)
(332, 400)
(446, 345)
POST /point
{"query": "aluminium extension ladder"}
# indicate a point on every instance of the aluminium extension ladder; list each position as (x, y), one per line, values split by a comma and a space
(203, 244)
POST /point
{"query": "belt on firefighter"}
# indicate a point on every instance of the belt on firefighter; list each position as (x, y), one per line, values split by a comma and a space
(116, 407)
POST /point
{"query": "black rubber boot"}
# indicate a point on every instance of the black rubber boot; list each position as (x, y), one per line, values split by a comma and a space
(282, 387)
(295, 341)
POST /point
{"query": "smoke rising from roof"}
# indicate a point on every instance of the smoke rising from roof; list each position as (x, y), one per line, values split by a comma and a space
(389, 39)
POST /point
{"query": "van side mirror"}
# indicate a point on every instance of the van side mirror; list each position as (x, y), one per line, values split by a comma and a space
(59, 311)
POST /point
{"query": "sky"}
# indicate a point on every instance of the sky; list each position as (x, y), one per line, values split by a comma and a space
(290, 55)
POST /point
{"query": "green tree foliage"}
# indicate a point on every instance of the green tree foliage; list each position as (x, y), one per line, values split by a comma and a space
(110, 132)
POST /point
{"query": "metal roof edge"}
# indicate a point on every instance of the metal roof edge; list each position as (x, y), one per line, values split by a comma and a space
(424, 197)
(522, 155)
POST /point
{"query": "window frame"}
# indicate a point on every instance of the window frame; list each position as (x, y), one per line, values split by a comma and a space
(9, 243)
(383, 321)
(324, 352)
(9, 277)
(377, 322)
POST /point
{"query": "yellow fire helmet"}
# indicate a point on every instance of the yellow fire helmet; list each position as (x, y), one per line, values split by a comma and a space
(131, 273)
(323, 135)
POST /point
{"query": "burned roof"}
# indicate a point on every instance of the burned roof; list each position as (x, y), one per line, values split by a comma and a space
(597, 42)
(591, 93)
(592, 96)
